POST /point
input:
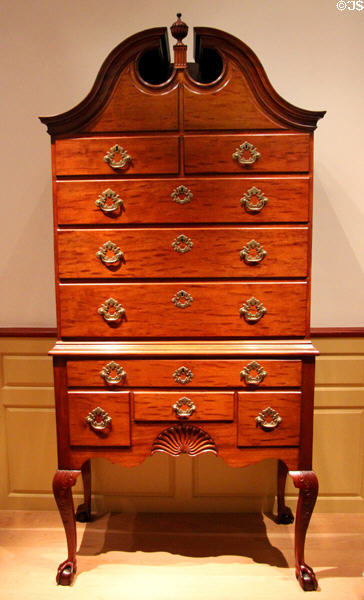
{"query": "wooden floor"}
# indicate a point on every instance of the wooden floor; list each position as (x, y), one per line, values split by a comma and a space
(179, 556)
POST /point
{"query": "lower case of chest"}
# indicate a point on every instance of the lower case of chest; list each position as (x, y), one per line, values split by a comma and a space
(127, 427)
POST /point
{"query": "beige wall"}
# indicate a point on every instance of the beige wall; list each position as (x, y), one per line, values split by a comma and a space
(51, 52)
(28, 445)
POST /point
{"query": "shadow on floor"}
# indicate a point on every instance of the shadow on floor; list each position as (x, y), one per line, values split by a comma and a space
(188, 535)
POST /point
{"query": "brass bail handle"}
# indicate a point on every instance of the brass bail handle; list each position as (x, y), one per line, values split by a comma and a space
(111, 310)
(268, 419)
(253, 310)
(109, 201)
(109, 253)
(109, 369)
(124, 160)
(246, 154)
(98, 419)
(184, 408)
(253, 373)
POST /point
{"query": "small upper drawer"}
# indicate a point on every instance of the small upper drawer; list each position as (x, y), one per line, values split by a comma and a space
(195, 406)
(189, 200)
(117, 155)
(269, 418)
(99, 418)
(246, 153)
(184, 372)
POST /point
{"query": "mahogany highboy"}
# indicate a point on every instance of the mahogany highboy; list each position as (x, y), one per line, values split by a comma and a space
(182, 210)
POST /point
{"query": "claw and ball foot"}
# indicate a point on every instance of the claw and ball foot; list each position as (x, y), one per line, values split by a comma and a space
(306, 578)
(66, 572)
(306, 482)
(62, 484)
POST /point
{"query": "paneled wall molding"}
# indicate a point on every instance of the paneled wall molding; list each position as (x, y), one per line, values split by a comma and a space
(337, 331)
(164, 484)
(31, 332)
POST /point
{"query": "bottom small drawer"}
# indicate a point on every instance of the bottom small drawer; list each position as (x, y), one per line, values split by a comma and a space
(192, 406)
(99, 418)
(269, 419)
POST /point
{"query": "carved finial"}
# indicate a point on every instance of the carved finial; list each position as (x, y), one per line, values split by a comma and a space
(179, 29)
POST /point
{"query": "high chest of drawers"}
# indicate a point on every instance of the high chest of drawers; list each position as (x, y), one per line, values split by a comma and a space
(182, 209)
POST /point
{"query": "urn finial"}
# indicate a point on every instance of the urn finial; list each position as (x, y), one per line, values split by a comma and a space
(179, 30)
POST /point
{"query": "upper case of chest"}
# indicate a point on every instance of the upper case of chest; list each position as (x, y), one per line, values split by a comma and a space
(173, 156)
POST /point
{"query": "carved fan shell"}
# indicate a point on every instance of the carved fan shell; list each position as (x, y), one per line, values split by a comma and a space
(186, 439)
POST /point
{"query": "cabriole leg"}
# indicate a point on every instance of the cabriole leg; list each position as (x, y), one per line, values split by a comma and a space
(285, 515)
(83, 512)
(62, 484)
(307, 483)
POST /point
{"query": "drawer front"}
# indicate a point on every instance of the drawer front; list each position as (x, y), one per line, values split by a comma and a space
(277, 152)
(86, 156)
(183, 373)
(195, 406)
(223, 200)
(268, 418)
(183, 252)
(99, 418)
(183, 310)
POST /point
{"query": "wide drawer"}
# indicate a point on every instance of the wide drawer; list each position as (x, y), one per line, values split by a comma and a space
(196, 406)
(89, 156)
(99, 418)
(183, 373)
(269, 418)
(183, 310)
(277, 152)
(183, 252)
(218, 200)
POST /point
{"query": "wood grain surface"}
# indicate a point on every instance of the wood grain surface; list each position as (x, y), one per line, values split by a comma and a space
(149, 154)
(218, 110)
(159, 373)
(287, 404)
(207, 252)
(116, 404)
(158, 406)
(214, 311)
(214, 200)
(134, 107)
(279, 153)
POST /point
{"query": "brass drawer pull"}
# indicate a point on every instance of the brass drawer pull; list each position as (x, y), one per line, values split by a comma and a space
(103, 201)
(110, 248)
(240, 154)
(124, 161)
(251, 205)
(248, 373)
(268, 419)
(183, 375)
(182, 299)
(98, 419)
(253, 253)
(182, 244)
(113, 367)
(181, 195)
(253, 310)
(111, 310)
(184, 408)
